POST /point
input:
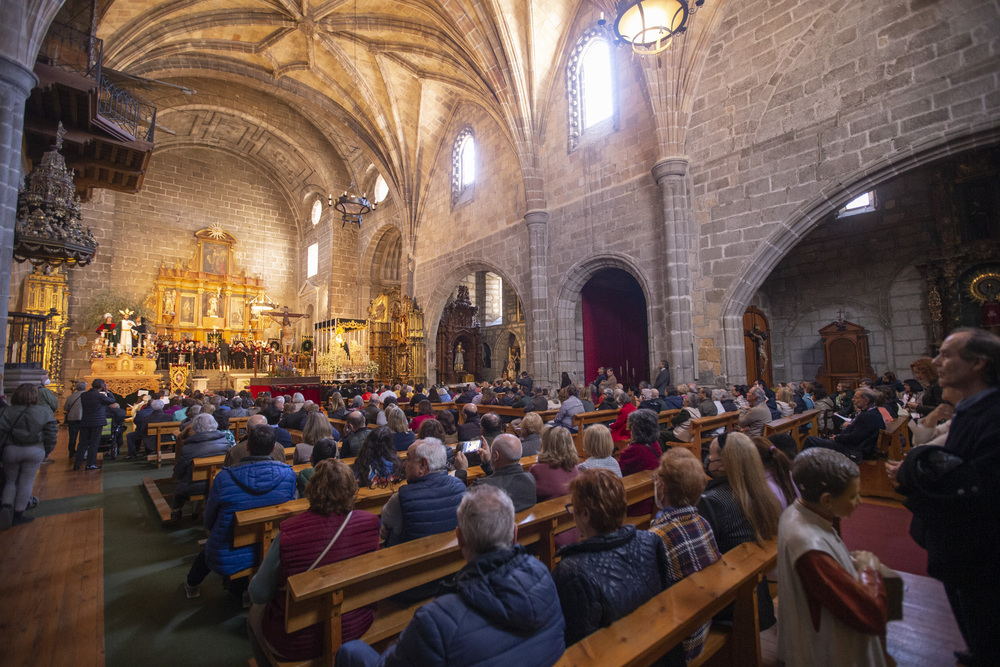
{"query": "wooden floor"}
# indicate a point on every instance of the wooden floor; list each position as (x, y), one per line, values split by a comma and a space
(59, 480)
(53, 591)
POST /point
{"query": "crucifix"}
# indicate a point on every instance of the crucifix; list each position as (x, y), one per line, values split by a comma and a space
(759, 338)
(287, 332)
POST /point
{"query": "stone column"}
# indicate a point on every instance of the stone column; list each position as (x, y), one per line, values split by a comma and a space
(671, 176)
(539, 344)
(16, 82)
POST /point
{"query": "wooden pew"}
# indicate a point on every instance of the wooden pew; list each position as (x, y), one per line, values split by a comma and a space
(582, 420)
(162, 431)
(791, 424)
(238, 425)
(323, 594)
(893, 440)
(260, 525)
(702, 428)
(508, 413)
(653, 629)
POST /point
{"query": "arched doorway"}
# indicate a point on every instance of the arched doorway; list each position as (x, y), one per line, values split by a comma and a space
(615, 326)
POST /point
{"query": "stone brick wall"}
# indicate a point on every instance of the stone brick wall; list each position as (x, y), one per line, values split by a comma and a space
(861, 265)
(184, 191)
(800, 108)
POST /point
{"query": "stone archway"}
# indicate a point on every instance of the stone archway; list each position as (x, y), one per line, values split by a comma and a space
(437, 300)
(809, 216)
(569, 327)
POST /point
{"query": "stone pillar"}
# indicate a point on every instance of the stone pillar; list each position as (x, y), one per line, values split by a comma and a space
(539, 343)
(671, 176)
(16, 82)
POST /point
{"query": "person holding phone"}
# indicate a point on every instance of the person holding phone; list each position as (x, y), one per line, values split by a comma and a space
(502, 464)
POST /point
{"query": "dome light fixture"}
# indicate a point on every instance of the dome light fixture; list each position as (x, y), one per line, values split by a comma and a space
(651, 25)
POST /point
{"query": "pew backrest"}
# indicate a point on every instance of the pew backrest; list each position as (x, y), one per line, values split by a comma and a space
(165, 434)
(650, 631)
(324, 594)
(792, 424)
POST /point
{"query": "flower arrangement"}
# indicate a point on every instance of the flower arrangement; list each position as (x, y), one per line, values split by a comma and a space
(284, 368)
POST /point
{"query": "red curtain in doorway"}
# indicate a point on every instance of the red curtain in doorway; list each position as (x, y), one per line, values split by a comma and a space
(615, 329)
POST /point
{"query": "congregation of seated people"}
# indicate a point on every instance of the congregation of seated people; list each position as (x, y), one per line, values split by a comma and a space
(453, 465)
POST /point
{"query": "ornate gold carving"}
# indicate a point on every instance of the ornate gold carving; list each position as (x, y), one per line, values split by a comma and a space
(210, 293)
(934, 304)
(985, 286)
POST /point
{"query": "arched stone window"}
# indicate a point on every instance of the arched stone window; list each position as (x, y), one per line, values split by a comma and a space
(590, 84)
(381, 190)
(463, 167)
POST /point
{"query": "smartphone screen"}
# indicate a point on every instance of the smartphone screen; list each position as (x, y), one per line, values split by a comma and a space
(471, 446)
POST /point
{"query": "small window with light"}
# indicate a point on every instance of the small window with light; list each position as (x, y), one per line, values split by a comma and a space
(381, 190)
(861, 204)
(590, 86)
(463, 167)
(317, 211)
(312, 260)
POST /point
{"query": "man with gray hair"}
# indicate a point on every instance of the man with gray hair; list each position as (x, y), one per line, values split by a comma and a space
(205, 440)
(753, 419)
(502, 465)
(428, 502)
(501, 608)
(858, 439)
(241, 449)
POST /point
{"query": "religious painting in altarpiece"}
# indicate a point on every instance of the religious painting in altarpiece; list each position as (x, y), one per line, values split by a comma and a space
(209, 294)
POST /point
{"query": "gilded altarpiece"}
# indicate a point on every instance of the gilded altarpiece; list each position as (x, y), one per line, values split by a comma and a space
(396, 337)
(46, 292)
(210, 295)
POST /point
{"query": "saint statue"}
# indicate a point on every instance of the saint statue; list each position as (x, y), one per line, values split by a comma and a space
(459, 357)
(213, 306)
(126, 331)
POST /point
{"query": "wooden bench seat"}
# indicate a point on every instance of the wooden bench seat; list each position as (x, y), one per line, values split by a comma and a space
(260, 525)
(582, 420)
(791, 425)
(702, 430)
(507, 413)
(238, 425)
(893, 441)
(653, 629)
(165, 434)
(323, 594)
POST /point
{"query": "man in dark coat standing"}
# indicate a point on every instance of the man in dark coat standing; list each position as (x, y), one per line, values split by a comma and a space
(95, 417)
(662, 380)
(954, 494)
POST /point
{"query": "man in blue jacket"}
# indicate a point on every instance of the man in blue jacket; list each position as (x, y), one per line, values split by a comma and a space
(428, 503)
(256, 481)
(502, 608)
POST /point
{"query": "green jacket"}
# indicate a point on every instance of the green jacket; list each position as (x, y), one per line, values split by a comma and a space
(47, 397)
(28, 426)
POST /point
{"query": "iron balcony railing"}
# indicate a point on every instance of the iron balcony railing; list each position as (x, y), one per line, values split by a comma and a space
(76, 51)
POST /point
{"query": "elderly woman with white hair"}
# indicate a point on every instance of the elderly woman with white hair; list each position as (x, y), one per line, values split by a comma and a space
(205, 440)
(681, 422)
